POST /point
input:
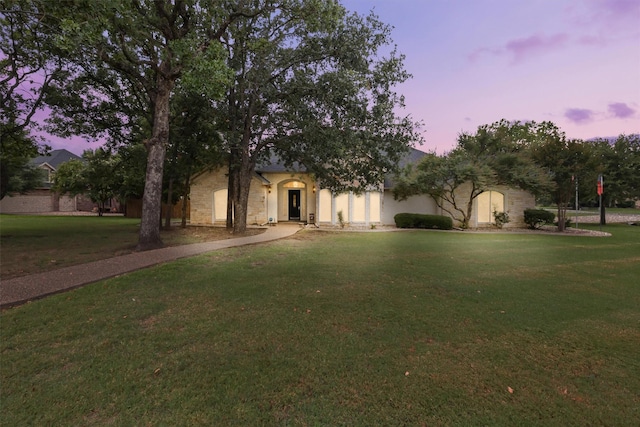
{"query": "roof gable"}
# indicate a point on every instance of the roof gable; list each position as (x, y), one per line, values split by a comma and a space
(55, 158)
(412, 157)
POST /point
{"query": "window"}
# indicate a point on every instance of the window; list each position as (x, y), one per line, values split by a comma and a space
(488, 202)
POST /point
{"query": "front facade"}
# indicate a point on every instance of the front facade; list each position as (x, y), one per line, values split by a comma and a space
(277, 195)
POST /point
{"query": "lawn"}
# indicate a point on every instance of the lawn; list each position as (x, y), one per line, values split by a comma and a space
(37, 243)
(403, 328)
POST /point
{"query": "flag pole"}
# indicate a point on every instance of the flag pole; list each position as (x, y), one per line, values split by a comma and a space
(577, 202)
(600, 188)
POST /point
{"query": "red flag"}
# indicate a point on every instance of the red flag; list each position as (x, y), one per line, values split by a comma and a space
(600, 185)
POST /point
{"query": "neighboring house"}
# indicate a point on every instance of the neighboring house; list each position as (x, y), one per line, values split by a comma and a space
(278, 194)
(43, 199)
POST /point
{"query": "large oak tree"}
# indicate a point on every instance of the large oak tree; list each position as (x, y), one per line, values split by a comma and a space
(312, 85)
(130, 53)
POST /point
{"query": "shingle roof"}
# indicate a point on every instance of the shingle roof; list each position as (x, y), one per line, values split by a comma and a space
(274, 164)
(413, 156)
(55, 158)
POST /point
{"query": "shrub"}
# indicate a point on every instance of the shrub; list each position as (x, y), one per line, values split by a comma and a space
(567, 222)
(626, 204)
(411, 220)
(536, 218)
(501, 218)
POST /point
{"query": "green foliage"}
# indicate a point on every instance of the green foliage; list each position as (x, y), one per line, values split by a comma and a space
(502, 146)
(102, 175)
(536, 218)
(313, 86)
(128, 58)
(446, 179)
(28, 67)
(412, 220)
(501, 218)
(71, 178)
(341, 219)
(17, 175)
(619, 163)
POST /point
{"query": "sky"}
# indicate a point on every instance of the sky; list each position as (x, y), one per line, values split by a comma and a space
(575, 63)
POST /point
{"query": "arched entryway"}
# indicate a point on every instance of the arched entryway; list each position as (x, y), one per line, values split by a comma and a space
(293, 200)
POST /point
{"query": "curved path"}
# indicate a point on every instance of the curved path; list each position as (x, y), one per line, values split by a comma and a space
(26, 288)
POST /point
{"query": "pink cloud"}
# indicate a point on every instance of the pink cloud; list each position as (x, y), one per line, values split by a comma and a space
(619, 8)
(621, 110)
(522, 48)
(579, 115)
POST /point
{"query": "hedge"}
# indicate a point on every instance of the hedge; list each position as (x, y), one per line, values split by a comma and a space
(536, 218)
(412, 220)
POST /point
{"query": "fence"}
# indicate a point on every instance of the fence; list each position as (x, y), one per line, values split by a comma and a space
(134, 209)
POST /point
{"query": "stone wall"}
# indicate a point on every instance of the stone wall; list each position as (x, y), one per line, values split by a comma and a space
(205, 185)
(202, 188)
(36, 201)
(515, 203)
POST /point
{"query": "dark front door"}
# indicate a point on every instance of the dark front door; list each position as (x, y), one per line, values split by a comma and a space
(294, 205)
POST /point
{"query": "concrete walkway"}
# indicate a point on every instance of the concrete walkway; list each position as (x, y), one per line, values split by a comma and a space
(26, 288)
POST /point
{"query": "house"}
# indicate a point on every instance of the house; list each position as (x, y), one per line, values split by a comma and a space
(43, 199)
(278, 194)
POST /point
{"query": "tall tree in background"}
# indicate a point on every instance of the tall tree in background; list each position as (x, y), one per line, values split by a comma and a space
(619, 162)
(194, 143)
(28, 65)
(312, 87)
(137, 51)
(564, 160)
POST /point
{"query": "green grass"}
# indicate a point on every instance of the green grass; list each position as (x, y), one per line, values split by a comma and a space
(404, 328)
(34, 243)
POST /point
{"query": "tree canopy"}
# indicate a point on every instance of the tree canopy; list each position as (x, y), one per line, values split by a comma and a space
(311, 85)
(532, 156)
(99, 175)
(495, 155)
(128, 57)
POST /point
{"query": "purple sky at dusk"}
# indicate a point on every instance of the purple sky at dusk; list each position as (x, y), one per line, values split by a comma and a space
(573, 62)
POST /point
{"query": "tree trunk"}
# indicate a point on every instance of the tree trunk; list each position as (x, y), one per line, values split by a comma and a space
(231, 197)
(242, 199)
(167, 220)
(149, 236)
(185, 197)
(562, 217)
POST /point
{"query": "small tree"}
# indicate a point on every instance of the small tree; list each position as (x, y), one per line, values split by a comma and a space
(496, 154)
(97, 177)
(445, 179)
(564, 160)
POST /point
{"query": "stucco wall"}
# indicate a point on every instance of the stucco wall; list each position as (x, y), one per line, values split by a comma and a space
(414, 204)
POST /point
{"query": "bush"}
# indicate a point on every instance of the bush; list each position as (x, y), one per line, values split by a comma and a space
(501, 218)
(626, 204)
(536, 218)
(411, 220)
